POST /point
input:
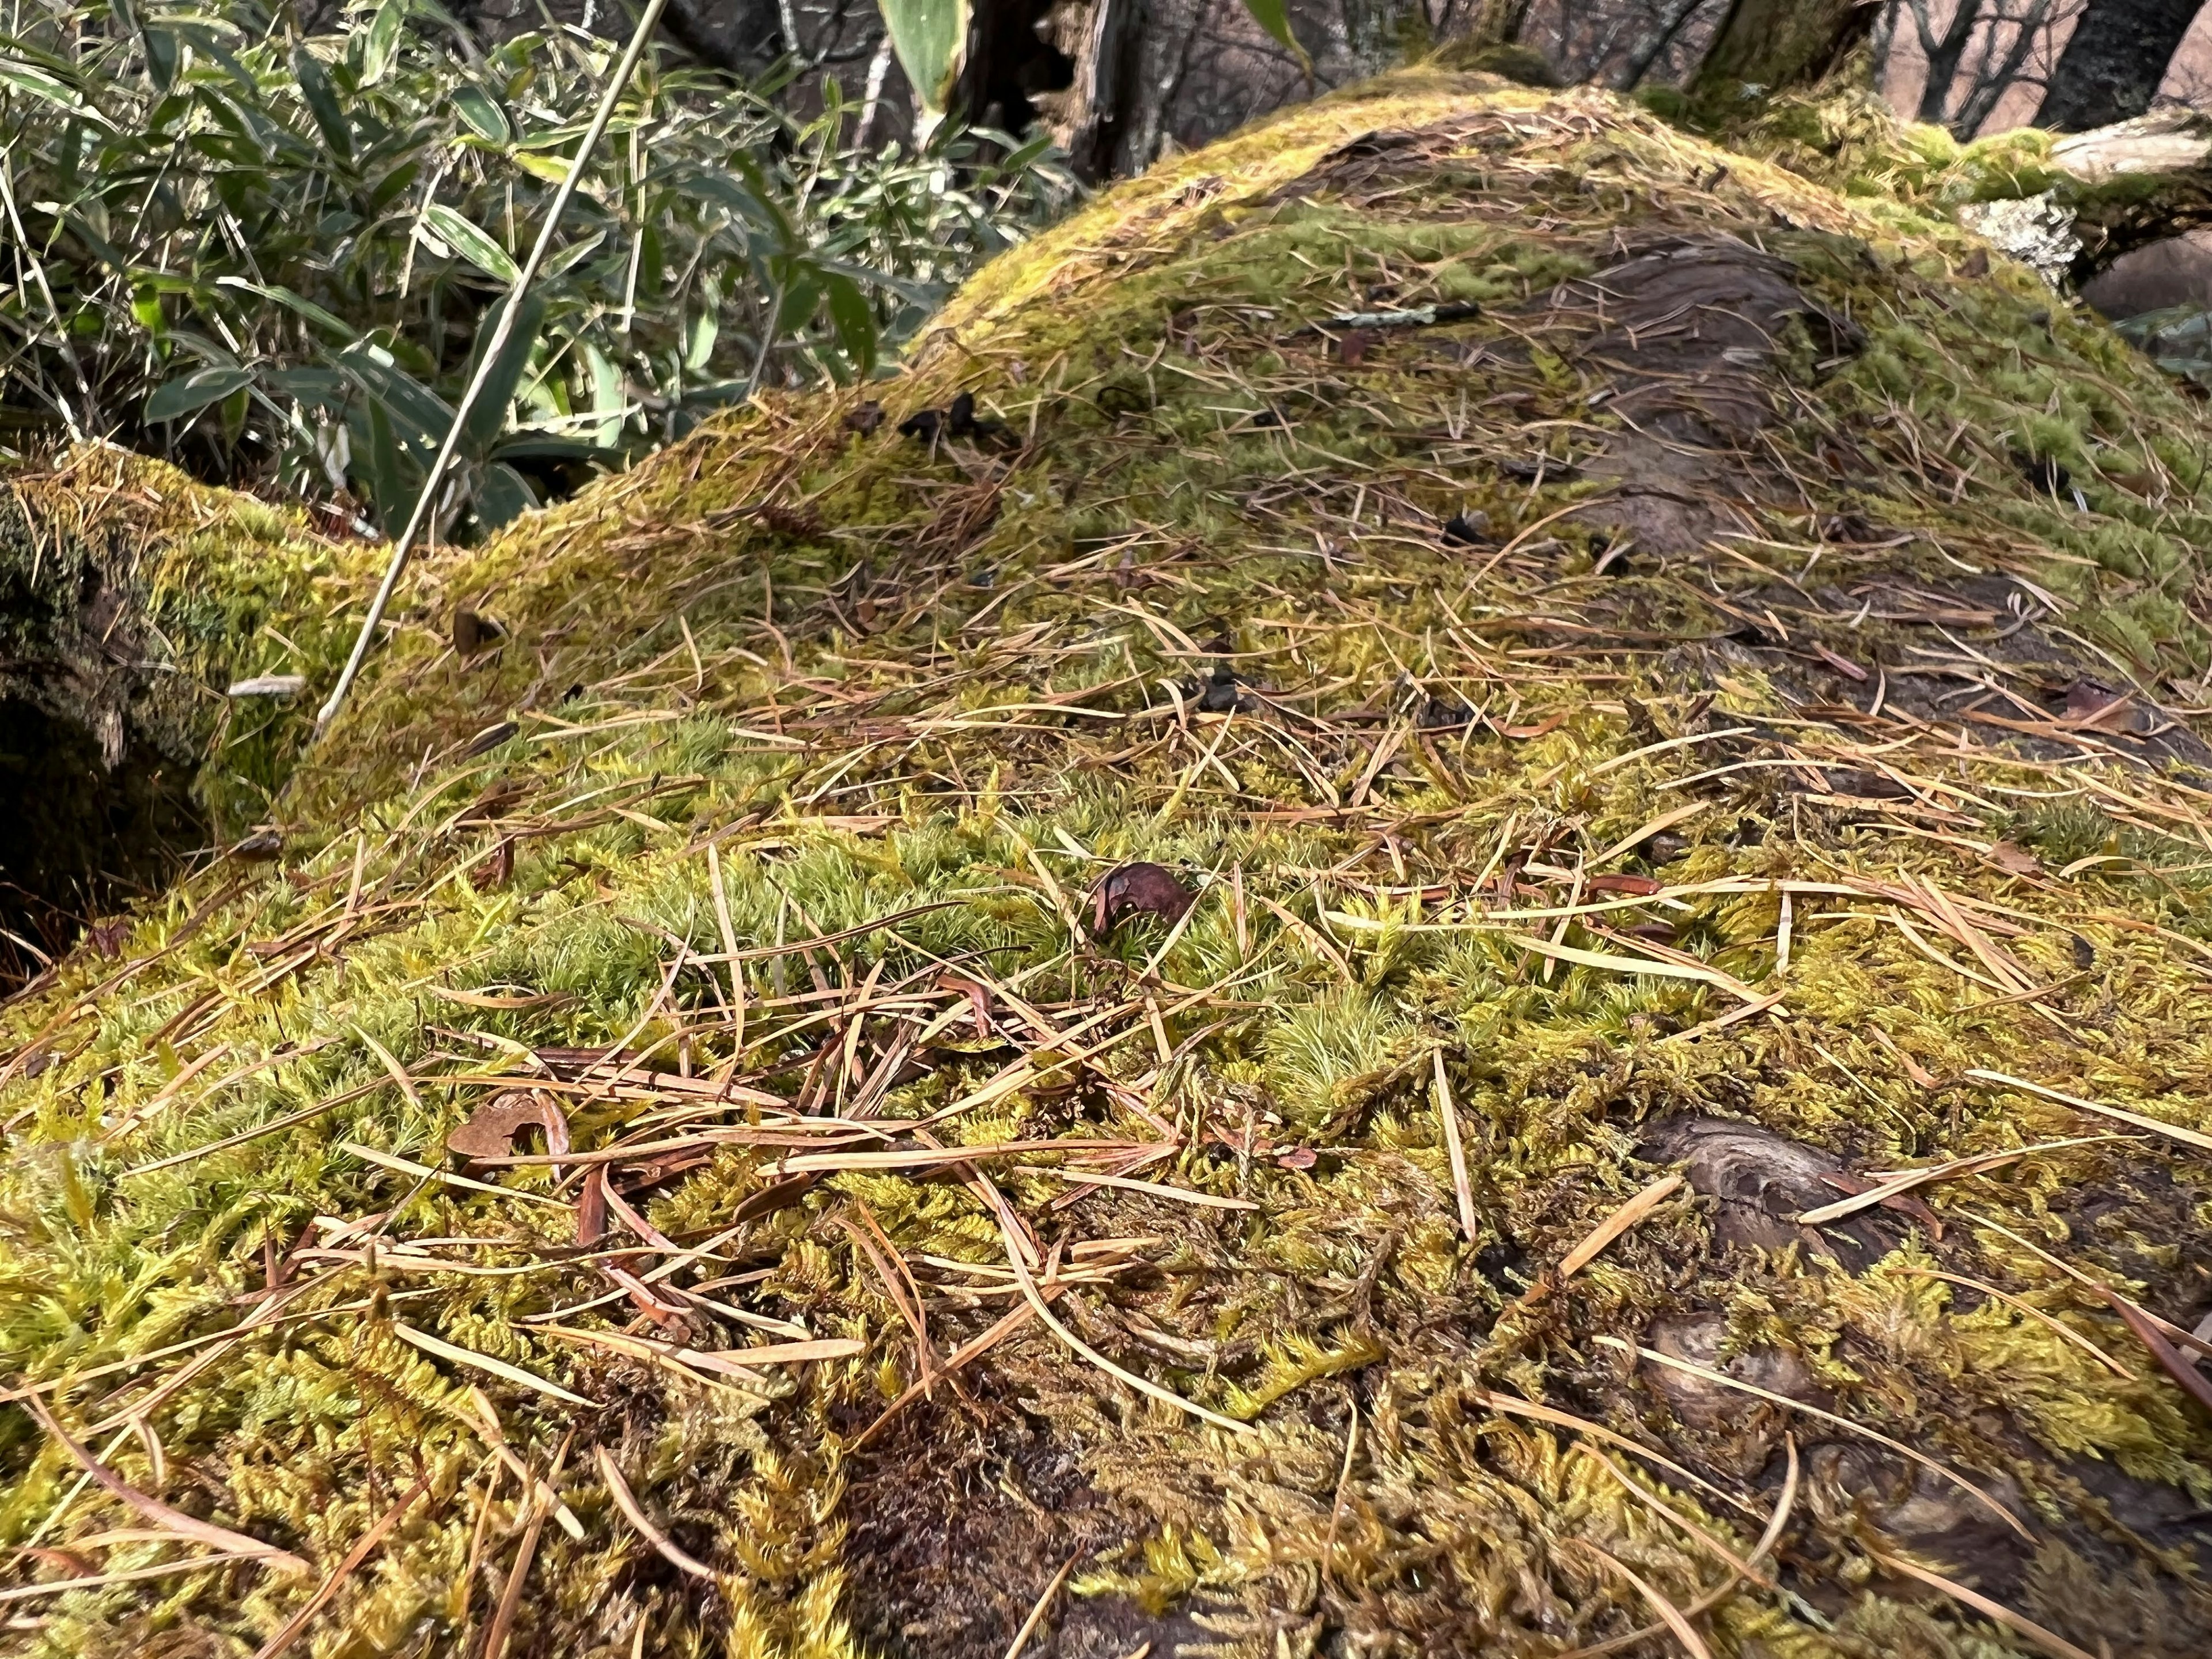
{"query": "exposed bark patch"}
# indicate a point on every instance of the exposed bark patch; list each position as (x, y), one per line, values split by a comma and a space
(960, 1519)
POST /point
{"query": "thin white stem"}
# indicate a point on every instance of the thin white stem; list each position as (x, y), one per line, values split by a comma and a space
(404, 547)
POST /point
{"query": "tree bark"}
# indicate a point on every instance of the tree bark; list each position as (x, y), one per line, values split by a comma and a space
(1944, 53)
(132, 602)
(1772, 44)
(1497, 22)
(2134, 183)
(1010, 66)
(1095, 115)
(2113, 63)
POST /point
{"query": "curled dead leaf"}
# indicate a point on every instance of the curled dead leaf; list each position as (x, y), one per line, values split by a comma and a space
(979, 999)
(1150, 889)
(592, 1208)
(473, 633)
(495, 868)
(493, 1127)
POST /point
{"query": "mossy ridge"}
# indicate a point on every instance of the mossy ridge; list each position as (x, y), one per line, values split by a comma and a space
(956, 694)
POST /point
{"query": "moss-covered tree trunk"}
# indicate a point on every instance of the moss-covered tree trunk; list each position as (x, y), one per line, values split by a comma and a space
(1448, 895)
(129, 608)
(1775, 44)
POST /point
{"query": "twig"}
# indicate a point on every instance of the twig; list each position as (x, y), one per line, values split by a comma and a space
(1036, 1613)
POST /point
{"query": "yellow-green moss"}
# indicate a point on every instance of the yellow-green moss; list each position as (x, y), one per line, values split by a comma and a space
(852, 664)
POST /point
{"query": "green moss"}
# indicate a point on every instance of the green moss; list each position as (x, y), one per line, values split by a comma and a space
(936, 693)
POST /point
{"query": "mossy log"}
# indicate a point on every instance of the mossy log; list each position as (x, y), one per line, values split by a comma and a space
(131, 603)
(1245, 965)
(2137, 182)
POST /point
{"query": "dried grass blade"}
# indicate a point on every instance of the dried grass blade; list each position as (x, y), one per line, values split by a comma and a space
(2172, 1332)
(2050, 1641)
(1043, 1604)
(162, 1514)
(1181, 1194)
(1733, 1016)
(1874, 1435)
(1651, 965)
(290, 1121)
(1143, 1385)
(1463, 1188)
(2169, 1358)
(1617, 1224)
(441, 1349)
(2065, 1332)
(905, 1158)
(634, 1512)
(129, 1575)
(964, 1354)
(1514, 1406)
(2117, 1114)
(1901, 1183)
(510, 1599)
(1681, 1629)
(282, 1640)
(1728, 1558)
(424, 1172)
(1636, 838)
(495, 1437)
(741, 1362)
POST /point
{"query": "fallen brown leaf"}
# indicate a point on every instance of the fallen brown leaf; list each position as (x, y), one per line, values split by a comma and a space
(493, 1127)
(1150, 889)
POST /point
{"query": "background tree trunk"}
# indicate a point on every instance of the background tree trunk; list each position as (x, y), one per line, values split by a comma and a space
(1780, 43)
(2113, 62)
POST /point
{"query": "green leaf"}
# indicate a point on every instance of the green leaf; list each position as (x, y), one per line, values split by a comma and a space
(1273, 15)
(383, 41)
(481, 113)
(801, 298)
(322, 101)
(419, 417)
(705, 328)
(551, 168)
(607, 398)
(233, 409)
(293, 302)
(473, 245)
(561, 264)
(489, 418)
(26, 77)
(387, 488)
(190, 393)
(854, 320)
(162, 55)
(500, 494)
(931, 39)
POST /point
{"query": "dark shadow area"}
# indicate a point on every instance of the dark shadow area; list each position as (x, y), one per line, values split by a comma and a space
(77, 835)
